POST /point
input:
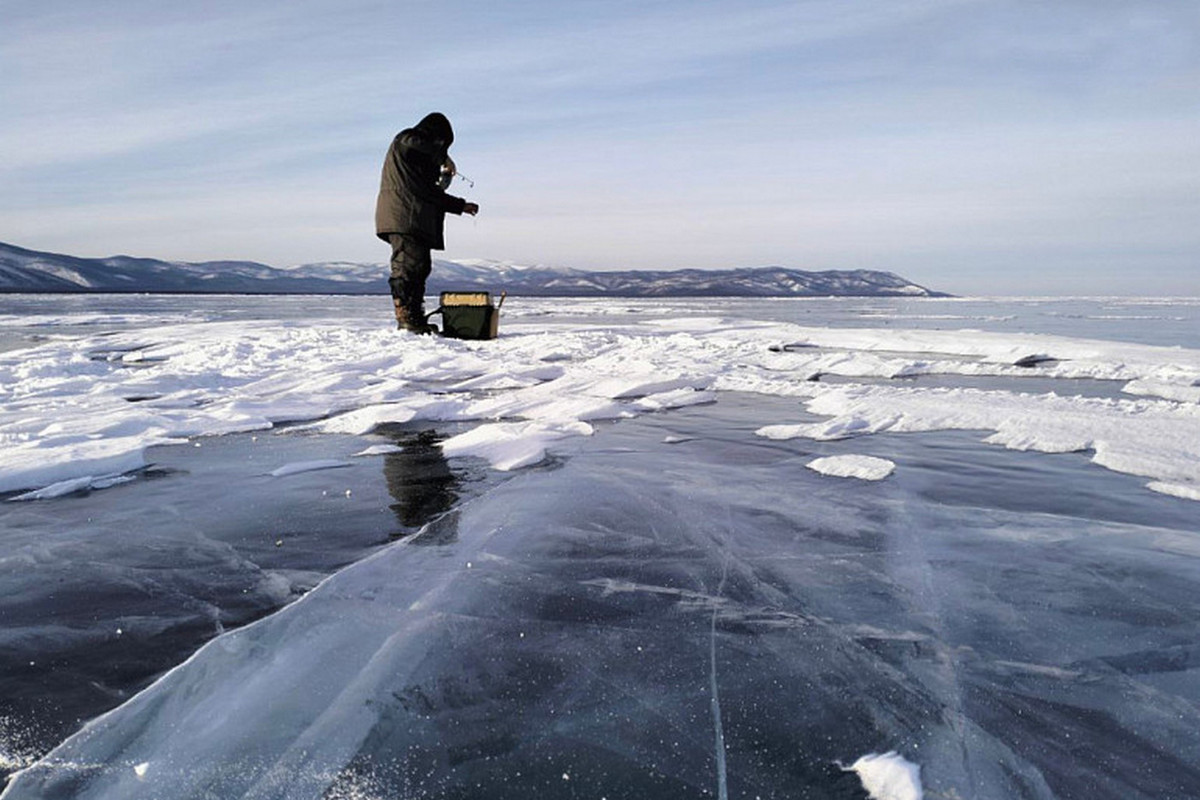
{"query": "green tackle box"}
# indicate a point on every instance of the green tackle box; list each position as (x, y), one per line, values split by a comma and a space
(469, 315)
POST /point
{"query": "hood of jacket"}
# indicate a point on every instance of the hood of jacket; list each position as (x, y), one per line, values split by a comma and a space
(436, 126)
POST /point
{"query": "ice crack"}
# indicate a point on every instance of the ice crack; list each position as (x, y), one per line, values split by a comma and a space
(718, 732)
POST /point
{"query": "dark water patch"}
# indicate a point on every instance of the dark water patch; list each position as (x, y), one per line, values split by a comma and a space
(418, 477)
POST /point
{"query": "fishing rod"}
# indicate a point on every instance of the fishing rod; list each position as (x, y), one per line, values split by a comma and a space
(449, 172)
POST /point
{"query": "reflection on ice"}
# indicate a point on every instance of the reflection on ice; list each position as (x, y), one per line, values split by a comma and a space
(420, 480)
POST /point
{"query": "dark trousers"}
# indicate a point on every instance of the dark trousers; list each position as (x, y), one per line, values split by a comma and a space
(411, 265)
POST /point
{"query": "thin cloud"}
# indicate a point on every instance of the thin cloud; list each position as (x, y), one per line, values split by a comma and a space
(616, 134)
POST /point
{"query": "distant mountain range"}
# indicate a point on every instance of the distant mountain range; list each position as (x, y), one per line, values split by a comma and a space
(24, 270)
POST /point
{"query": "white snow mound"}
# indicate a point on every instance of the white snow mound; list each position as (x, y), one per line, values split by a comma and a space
(512, 445)
(867, 468)
(889, 777)
(1181, 490)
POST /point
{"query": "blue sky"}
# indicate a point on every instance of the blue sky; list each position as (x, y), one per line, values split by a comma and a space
(974, 146)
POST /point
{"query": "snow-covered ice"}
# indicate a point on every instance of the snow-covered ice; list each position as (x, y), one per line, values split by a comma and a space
(95, 404)
(512, 445)
(1157, 439)
(1187, 491)
(670, 606)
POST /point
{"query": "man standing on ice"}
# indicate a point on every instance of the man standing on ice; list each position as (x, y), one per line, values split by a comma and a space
(411, 210)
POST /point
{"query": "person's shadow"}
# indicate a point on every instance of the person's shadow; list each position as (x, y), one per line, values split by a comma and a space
(421, 482)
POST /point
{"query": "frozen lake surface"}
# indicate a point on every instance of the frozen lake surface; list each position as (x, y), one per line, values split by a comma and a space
(266, 547)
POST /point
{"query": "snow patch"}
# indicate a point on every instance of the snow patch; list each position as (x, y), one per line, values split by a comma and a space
(52, 460)
(1151, 438)
(65, 415)
(73, 485)
(1178, 390)
(679, 398)
(364, 420)
(888, 777)
(380, 450)
(1187, 491)
(512, 445)
(867, 468)
(308, 466)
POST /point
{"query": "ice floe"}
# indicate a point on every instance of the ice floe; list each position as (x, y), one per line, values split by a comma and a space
(867, 468)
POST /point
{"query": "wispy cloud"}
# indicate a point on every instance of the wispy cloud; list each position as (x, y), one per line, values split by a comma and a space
(816, 134)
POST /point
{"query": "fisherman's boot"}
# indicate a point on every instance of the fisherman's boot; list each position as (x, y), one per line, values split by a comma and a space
(412, 319)
(421, 323)
(401, 314)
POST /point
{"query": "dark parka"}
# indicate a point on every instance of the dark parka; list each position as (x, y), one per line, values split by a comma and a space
(410, 202)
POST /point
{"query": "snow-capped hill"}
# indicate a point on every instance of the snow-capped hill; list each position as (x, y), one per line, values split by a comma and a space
(745, 282)
(344, 271)
(24, 270)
